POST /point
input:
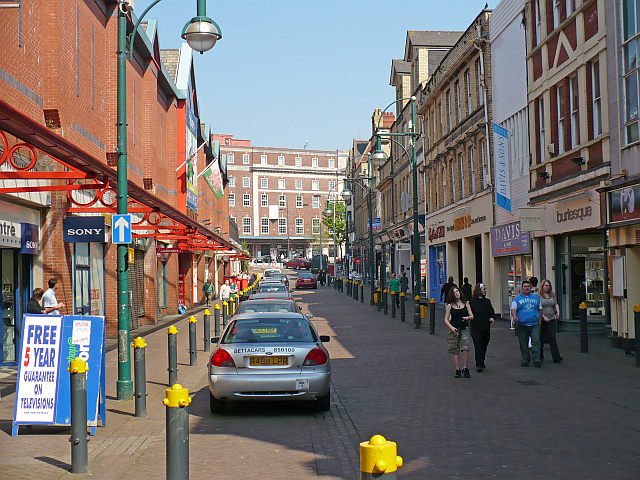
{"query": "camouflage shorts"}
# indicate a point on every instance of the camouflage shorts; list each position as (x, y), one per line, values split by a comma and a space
(461, 340)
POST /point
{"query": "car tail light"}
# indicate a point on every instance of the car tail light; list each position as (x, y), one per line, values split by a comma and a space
(315, 357)
(222, 358)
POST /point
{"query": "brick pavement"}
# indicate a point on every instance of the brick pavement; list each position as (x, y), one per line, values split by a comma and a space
(578, 419)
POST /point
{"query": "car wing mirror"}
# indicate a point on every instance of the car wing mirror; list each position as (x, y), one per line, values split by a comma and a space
(215, 339)
(309, 316)
(325, 338)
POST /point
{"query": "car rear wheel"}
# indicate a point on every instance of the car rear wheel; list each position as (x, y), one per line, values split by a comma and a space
(215, 405)
(323, 403)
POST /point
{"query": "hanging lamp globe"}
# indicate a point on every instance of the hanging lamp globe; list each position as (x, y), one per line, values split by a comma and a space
(201, 33)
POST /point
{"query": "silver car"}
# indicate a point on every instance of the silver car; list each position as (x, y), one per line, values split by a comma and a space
(270, 356)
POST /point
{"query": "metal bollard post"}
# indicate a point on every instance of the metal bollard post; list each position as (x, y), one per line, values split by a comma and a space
(193, 347)
(216, 320)
(139, 369)
(584, 333)
(636, 321)
(379, 459)
(432, 316)
(393, 304)
(349, 284)
(225, 313)
(356, 286)
(173, 354)
(206, 316)
(379, 299)
(361, 293)
(385, 301)
(177, 434)
(416, 314)
(235, 304)
(79, 454)
(403, 306)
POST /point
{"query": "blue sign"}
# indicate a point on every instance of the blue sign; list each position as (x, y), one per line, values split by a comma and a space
(83, 229)
(509, 239)
(121, 232)
(48, 344)
(501, 166)
(377, 224)
(30, 241)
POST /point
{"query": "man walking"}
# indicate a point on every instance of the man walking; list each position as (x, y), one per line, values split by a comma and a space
(404, 282)
(49, 300)
(225, 291)
(207, 289)
(394, 286)
(466, 289)
(526, 311)
(444, 291)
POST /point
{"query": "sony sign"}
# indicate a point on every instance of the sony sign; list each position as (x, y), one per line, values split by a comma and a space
(83, 229)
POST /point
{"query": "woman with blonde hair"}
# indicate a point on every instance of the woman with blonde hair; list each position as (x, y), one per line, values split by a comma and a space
(550, 316)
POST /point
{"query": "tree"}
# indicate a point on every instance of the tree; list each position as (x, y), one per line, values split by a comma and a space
(244, 264)
(340, 225)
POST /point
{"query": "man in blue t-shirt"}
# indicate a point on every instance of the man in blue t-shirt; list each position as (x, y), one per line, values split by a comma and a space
(526, 310)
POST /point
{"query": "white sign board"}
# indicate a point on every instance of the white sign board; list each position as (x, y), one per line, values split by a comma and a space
(501, 166)
(274, 212)
(36, 397)
(531, 219)
(81, 332)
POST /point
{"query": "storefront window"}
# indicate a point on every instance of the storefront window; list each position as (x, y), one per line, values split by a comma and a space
(514, 269)
(9, 313)
(88, 285)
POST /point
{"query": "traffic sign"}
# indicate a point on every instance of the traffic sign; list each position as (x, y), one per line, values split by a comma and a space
(121, 232)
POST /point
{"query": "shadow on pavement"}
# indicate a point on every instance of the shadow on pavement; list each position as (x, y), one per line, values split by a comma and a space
(54, 462)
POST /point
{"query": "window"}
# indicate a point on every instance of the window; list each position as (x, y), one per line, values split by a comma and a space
(280, 159)
(472, 171)
(282, 201)
(246, 200)
(332, 186)
(315, 202)
(441, 118)
(332, 163)
(467, 82)
(479, 80)
(315, 226)
(453, 181)
(232, 181)
(570, 6)
(245, 158)
(314, 162)
(299, 226)
(232, 200)
(630, 68)
(281, 184)
(282, 226)
(560, 104)
(298, 161)
(485, 167)
(264, 182)
(246, 182)
(541, 127)
(458, 102)
(556, 13)
(449, 117)
(264, 200)
(597, 105)
(538, 21)
(264, 226)
(230, 158)
(298, 184)
(461, 162)
(573, 106)
(298, 201)
(263, 159)
(246, 225)
(315, 185)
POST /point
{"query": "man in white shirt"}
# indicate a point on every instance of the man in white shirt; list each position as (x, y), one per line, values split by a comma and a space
(49, 300)
(225, 291)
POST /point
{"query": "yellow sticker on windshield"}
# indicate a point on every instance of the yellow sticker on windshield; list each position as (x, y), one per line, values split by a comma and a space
(264, 330)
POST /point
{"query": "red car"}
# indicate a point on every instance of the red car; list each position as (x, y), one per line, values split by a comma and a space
(306, 280)
(298, 263)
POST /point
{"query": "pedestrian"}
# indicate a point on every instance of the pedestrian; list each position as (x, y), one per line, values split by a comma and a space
(466, 288)
(456, 317)
(526, 311)
(207, 289)
(33, 305)
(404, 282)
(49, 300)
(534, 285)
(394, 286)
(225, 291)
(549, 324)
(253, 278)
(483, 317)
(444, 291)
(234, 287)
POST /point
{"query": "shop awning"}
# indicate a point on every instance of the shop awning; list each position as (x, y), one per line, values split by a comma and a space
(81, 165)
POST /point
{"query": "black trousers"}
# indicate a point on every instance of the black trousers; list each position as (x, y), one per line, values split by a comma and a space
(548, 335)
(480, 341)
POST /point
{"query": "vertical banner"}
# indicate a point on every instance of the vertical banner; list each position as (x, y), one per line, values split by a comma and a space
(501, 166)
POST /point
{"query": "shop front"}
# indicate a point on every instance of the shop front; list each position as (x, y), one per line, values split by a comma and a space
(437, 260)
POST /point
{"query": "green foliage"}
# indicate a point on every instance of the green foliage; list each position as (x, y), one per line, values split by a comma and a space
(340, 219)
(244, 264)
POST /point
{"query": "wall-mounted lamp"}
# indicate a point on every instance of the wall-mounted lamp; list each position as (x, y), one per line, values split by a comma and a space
(543, 175)
(578, 161)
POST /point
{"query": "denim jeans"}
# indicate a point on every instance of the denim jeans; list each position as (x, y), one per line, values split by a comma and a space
(524, 332)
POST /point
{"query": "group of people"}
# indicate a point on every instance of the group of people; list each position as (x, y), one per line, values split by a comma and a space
(397, 285)
(50, 304)
(227, 289)
(469, 315)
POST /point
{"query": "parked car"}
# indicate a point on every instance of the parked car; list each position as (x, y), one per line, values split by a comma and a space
(269, 356)
(268, 305)
(271, 271)
(283, 278)
(273, 287)
(306, 280)
(298, 264)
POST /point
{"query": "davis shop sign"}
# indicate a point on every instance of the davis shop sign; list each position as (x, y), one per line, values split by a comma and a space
(509, 239)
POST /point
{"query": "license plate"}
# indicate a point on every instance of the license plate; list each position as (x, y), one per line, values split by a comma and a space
(260, 361)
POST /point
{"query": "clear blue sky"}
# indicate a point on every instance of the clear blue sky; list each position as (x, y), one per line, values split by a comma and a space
(288, 71)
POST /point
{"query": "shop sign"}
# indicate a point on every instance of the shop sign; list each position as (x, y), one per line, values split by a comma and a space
(435, 233)
(501, 163)
(30, 242)
(83, 229)
(377, 224)
(624, 204)
(403, 246)
(464, 222)
(531, 218)
(509, 239)
(10, 234)
(577, 212)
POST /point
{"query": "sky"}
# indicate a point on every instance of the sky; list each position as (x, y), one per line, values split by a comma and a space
(289, 72)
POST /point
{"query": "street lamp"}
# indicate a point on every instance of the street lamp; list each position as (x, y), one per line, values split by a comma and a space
(201, 33)
(286, 207)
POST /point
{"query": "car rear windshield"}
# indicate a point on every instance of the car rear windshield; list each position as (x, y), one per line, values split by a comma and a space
(254, 306)
(306, 275)
(269, 330)
(272, 288)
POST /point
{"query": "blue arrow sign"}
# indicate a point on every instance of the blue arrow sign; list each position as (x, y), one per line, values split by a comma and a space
(121, 231)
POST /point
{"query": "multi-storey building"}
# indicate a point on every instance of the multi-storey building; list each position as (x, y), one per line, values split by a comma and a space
(569, 128)
(454, 105)
(277, 196)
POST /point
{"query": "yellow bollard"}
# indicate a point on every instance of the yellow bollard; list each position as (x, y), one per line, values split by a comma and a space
(379, 459)
(423, 311)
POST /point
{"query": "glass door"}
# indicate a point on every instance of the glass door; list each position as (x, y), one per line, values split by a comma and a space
(9, 306)
(82, 287)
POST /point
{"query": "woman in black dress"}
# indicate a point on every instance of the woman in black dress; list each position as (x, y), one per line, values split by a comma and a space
(483, 317)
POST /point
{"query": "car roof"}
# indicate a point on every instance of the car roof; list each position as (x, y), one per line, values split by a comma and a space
(251, 316)
(268, 300)
(263, 295)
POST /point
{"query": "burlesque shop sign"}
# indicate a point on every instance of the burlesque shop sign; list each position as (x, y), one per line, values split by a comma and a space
(509, 239)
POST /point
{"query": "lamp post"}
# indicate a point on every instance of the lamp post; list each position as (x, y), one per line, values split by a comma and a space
(201, 33)
(379, 155)
(288, 226)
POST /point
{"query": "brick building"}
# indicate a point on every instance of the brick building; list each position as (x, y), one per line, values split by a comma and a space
(277, 195)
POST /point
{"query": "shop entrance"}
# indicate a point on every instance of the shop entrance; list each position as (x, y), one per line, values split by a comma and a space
(437, 270)
(15, 272)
